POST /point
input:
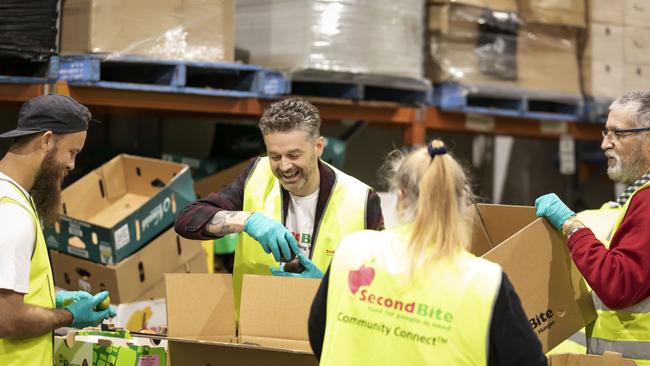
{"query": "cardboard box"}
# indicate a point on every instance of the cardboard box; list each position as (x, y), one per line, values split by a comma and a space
(114, 210)
(605, 11)
(196, 30)
(217, 181)
(547, 59)
(90, 347)
(535, 257)
(601, 79)
(501, 5)
(604, 43)
(636, 47)
(608, 359)
(636, 13)
(636, 77)
(149, 315)
(139, 277)
(556, 12)
(273, 320)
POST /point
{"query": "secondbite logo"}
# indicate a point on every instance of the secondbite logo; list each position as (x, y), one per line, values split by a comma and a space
(542, 321)
(360, 277)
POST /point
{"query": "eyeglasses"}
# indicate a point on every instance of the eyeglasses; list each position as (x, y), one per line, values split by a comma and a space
(615, 135)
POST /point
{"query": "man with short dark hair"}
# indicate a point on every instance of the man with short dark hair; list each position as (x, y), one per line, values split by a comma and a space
(618, 269)
(51, 132)
(287, 203)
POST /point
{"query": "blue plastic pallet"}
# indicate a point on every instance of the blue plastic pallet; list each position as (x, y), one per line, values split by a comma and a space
(203, 78)
(596, 110)
(19, 71)
(358, 87)
(506, 102)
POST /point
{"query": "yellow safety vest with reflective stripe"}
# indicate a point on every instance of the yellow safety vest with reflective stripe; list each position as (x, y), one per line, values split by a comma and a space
(377, 314)
(36, 350)
(626, 331)
(344, 213)
(601, 221)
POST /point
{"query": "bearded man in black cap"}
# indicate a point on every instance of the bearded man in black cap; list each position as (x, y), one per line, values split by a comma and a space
(51, 132)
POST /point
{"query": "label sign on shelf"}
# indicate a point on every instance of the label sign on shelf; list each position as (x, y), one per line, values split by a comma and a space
(553, 127)
(479, 122)
(567, 154)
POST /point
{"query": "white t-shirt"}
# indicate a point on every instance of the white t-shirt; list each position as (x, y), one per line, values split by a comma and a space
(300, 220)
(16, 239)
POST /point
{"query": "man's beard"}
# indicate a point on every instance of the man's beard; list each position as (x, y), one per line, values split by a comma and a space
(46, 190)
(627, 172)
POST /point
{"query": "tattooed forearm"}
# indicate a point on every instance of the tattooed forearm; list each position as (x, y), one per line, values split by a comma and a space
(226, 222)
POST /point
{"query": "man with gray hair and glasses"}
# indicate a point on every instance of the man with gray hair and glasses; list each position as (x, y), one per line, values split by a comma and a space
(618, 269)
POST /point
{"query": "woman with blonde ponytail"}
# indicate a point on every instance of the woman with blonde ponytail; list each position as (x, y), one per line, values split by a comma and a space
(414, 295)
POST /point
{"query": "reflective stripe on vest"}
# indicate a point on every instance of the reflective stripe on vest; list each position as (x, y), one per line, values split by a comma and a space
(36, 350)
(379, 314)
(626, 331)
(345, 212)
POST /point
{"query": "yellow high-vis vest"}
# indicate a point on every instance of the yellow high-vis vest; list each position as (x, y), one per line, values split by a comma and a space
(378, 314)
(344, 213)
(36, 350)
(601, 222)
(626, 331)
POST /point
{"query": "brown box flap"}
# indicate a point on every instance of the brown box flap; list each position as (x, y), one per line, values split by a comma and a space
(200, 306)
(288, 299)
(608, 359)
(219, 180)
(502, 221)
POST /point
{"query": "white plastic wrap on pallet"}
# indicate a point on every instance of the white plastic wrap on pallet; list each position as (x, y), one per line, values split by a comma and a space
(363, 36)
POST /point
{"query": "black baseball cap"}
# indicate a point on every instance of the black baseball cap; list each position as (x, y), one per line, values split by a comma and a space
(52, 112)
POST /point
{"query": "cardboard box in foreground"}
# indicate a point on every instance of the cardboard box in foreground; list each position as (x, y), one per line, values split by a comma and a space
(608, 359)
(536, 259)
(117, 208)
(273, 320)
(139, 277)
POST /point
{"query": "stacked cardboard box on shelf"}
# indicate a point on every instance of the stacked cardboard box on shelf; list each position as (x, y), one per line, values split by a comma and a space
(115, 232)
(372, 37)
(194, 30)
(614, 58)
(494, 43)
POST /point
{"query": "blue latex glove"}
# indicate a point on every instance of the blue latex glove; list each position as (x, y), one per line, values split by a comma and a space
(311, 271)
(273, 237)
(553, 209)
(63, 298)
(84, 313)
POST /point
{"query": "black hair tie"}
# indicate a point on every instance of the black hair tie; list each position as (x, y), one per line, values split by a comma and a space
(433, 151)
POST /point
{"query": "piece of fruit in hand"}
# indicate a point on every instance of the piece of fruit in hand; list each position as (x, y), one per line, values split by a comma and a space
(294, 266)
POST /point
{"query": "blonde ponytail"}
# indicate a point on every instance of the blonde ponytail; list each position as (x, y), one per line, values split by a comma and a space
(434, 194)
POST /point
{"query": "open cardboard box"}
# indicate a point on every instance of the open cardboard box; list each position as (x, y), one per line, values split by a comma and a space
(273, 320)
(115, 209)
(139, 277)
(608, 359)
(537, 261)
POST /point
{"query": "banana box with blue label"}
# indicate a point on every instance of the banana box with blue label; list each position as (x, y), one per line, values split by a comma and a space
(117, 208)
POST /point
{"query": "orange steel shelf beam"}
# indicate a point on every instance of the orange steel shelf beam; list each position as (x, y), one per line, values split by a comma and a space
(520, 127)
(20, 93)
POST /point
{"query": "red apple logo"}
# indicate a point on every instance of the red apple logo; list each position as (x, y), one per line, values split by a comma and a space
(361, 277)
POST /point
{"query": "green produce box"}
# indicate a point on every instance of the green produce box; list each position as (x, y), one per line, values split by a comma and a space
(107, 348)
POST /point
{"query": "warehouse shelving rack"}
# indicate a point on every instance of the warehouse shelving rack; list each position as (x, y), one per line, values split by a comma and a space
(415, 121)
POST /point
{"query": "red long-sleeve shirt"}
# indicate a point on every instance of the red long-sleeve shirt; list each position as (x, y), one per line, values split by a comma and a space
(620, 275)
